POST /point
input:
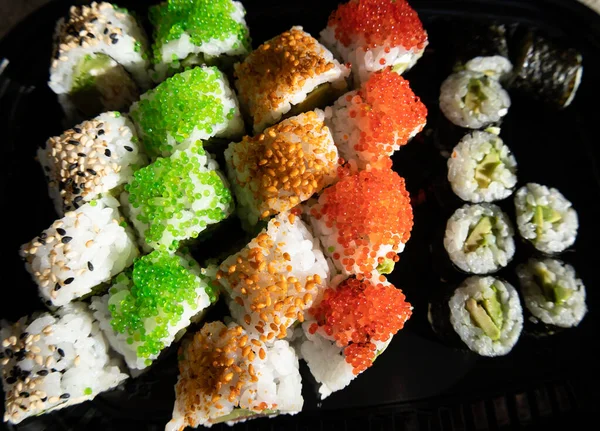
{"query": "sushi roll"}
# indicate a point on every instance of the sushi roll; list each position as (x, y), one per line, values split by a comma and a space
(473, 100)
(363, 221)
(495, 66)
(369, 124)
(482, 168)
(50, 362)
(272, 281)
(547, 71)
(546, 218)
(175, 198)
(552, 292)
(79, 252)
(484, 312)
(100, 61)
(479, 238)
(287, 75)
(276, 170)
(227, 375)
(193, 32)
(375, 34)
(93, 158)
(350, 327)
(147, 306)
(195, 105)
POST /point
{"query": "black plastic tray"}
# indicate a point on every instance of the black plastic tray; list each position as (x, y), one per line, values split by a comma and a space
(419, 383)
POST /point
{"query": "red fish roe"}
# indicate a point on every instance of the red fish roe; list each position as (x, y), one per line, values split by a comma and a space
(388, 114)
(373, 23)
(369, 210)
(359, 313)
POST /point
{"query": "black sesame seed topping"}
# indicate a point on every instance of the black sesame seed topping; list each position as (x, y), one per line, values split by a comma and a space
(48, 302)
(91, 35)
(128, 148)
(57, 287)
(81, 174)
(91, 171)
(81, 154)
(76, 129)
(11, 380)
(22, 407)
(73, 142)
(112, 35)
(107, 152)
(69, 181)
(53, 370)
(23, 335)
(69, 280)
(25, 373)
(65, 396)
(73, 166)
(9, 353)
(43, 235)
(94, 19)
(20, 355)
(42, 373)
(81, 42)
(60, 352)
(101, 132)
(66, 239)
(24, 394)
(61, 231)
(62, 371)
(90, 266)
(78, 199)
(43, 399)
(114, 41)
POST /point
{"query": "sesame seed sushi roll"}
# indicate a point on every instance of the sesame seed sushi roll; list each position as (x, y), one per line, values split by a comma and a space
(50, 362)
(93, 158)
(100, 60)
(375, 34)
(191, 106)
(79, 252)
(286, 75)
(193, 32)
(275, 278)
(479, 238)
(227, 375)
(369, 124)
(482, 168)
(147, 306)
(546, 218)
(473, 100)
(363, 221)
(175, 198)
(276, 170)
(349, 328)
(484, 312)
(552, 292)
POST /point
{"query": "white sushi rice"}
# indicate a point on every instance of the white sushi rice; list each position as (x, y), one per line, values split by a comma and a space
(473, 336)
(473, 100)
(285, 244)
(278, 383)
(552, 237)
(564, 314)
(495, 66)
(366, 61)
(122, 288)
(105, 150)
(60, 360)
(79, 252)
(284, 99)
(467, 157)
(499, 246)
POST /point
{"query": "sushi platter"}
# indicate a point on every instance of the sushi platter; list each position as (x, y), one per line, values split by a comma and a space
(268, 215)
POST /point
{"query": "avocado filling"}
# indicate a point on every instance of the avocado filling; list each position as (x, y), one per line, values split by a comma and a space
(240, 414)
(475, 95)
(486, 168)
(323, 95)
(551, 290)
(544, 214)
(480, 234)
(386, 266)
(487, 314)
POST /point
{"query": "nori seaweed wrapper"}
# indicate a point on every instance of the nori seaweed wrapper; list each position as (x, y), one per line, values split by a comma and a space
(546, 71)
(472, 39)
(438, 315)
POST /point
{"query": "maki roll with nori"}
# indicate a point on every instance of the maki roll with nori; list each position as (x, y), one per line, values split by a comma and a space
(546, 218)
(352, 325)
(195, 105)
(193, 32)
(227, 375)
(272, 281)
(147, 307)
(552, 292)
(79, 252)
(547, 71)
(173, 199)
(287, 75)
(363, 221)
(495, 66)
(276, 170)
(100, 61)
(485, 313)
(481, 168)
(49, 362)
(479, 238)
(370, 124)
(375, 34)
(93, 158)
(468, 39)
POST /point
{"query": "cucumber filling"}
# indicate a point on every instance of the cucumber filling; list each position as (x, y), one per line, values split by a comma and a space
(486, 168)
(386, 266)
(487, 314)
(482, 235)
(551, 290)
(239, 414)
(323, 95)
(543, 214)
(475, 94)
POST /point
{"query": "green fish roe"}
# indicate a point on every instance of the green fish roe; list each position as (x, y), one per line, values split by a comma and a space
(203, 20)
(176, 198)
(149, 300)
(188, 102)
